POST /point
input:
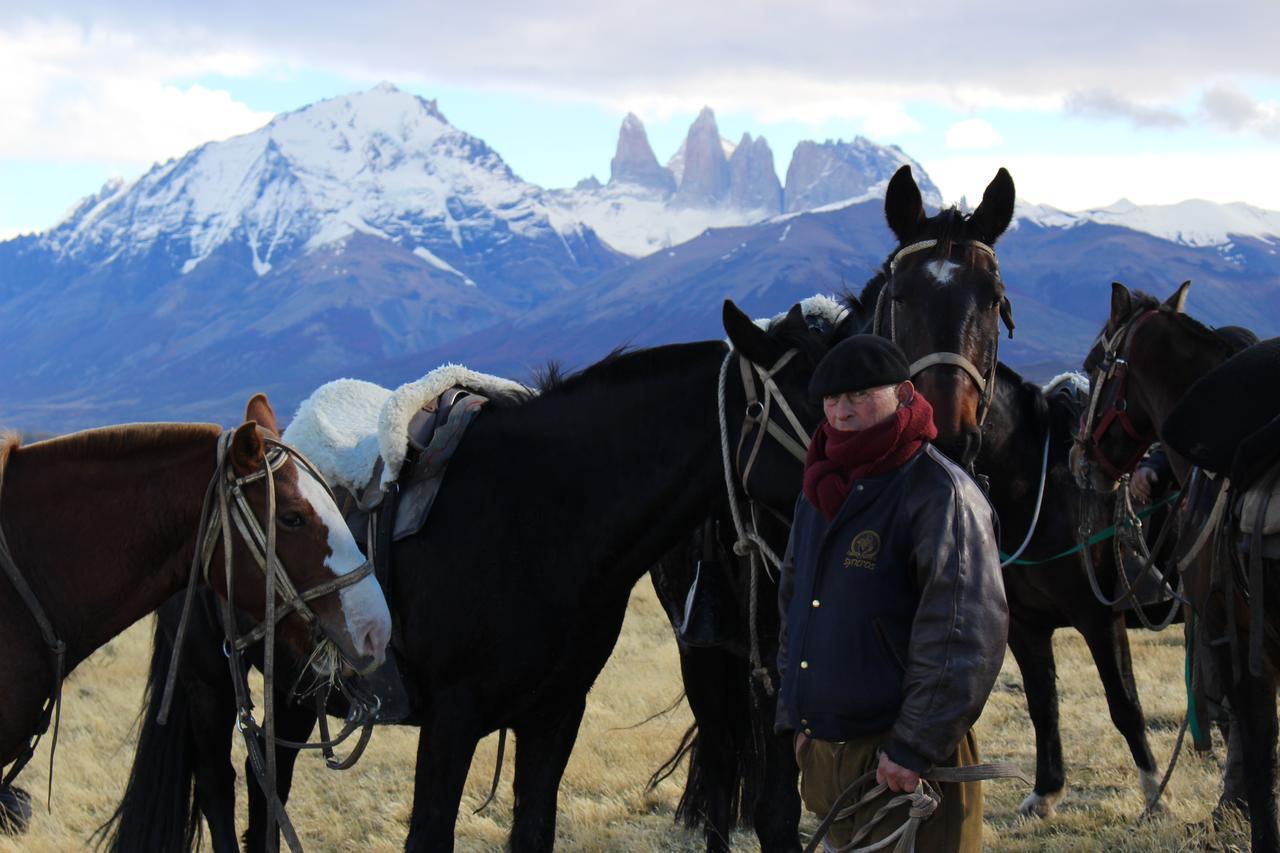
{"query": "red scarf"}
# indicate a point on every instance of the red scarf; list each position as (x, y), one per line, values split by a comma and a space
(837, 459)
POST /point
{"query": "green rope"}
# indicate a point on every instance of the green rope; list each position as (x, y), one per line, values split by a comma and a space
(1101, 536)
(1193, 721)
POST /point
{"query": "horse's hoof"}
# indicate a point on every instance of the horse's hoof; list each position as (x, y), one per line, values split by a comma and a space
(1041, 805)
(15, 811)
(1150, 787)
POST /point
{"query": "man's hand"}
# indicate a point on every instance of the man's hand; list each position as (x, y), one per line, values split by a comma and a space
(800, 741)
(1142, 482)
(897, 777)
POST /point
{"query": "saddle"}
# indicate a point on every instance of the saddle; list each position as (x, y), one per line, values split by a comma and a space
(385, 452)
(1228, 421)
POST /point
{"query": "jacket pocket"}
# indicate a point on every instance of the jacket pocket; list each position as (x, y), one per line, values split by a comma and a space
(883, 635)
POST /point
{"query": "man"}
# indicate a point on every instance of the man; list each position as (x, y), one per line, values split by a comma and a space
(894, 618)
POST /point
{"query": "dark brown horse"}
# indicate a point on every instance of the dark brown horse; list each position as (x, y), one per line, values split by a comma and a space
(1145, 359)
(103, 525)
(941, 297)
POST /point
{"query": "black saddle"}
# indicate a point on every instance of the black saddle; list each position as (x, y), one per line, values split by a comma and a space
(1228, 421)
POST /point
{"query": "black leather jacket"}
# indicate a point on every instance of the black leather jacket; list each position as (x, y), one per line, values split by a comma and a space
(893, 614)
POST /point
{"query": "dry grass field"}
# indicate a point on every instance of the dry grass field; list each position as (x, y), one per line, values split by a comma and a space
(603, 805)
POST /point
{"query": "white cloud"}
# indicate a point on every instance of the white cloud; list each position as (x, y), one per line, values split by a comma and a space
(1081, 182)
(74, 94)
(971, 134)
(1012, 53)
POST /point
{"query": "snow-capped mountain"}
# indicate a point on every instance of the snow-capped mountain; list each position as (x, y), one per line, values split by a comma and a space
(365, 235)
(1194, 222)
(827, 173)
(383, 163)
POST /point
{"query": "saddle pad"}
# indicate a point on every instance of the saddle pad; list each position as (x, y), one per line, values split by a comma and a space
(408, 399)
(1225, 407)
(346, 425)
(337, 429)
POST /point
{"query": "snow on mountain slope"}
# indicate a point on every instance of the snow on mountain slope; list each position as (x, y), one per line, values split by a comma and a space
(638, 221)
(382, 162)
(1194, 222)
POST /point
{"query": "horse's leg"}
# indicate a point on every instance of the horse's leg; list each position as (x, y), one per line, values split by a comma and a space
(542, 751)
(211, 718)
(719, 705)
(15, 810)
(1032, 647)
(1255, 703)
(1108, 642)
(293, 722)
(446, 746)
(777, 812)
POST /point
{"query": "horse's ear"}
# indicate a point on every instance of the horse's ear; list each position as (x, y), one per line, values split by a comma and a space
(748, 338)
(995, 213)
(246, 449)
(1178, 301)
(903, 207)
(260, 410)
(1121, 304)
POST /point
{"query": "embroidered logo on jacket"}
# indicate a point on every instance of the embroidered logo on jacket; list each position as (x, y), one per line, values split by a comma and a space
(863, 550)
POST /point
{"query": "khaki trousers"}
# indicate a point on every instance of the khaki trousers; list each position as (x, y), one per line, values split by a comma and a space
(828, 768)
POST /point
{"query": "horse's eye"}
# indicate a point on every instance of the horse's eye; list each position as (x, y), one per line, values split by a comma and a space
(293, 520)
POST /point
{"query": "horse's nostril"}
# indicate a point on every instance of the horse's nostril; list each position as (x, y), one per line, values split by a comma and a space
(373, 644)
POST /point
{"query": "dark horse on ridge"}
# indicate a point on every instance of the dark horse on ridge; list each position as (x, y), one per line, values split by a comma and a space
(508, 602)
(103, 524)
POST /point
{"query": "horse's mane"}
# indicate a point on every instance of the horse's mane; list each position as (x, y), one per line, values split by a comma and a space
(1041, 402)
(1143, 301)
(128, 438)
(552, 376)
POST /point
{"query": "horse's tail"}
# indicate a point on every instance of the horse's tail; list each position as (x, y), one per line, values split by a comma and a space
(158, 810)
(695, 804)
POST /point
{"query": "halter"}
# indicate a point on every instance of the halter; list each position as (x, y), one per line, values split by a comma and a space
(749, 542)
(226, 508)
(984, 383)
(231, 503)
(1114, 366)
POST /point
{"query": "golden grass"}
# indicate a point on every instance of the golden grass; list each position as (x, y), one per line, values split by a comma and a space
(603, 805)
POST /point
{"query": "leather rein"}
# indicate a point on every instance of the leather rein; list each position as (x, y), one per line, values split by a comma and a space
(984, 382)
(224, 499)
(226, 507)
(756, 419)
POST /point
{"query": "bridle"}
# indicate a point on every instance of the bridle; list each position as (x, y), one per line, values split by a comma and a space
(756, 419)
(1114, 366)
(886, 326)
(224, 499)
(226, 508)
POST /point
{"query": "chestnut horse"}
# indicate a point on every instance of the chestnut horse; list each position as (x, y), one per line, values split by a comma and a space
(102, 526)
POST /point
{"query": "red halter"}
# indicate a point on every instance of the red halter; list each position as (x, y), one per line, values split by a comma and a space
(1117, 408)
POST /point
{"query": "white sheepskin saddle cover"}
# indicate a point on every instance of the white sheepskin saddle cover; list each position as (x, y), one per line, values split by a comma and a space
(347, 424)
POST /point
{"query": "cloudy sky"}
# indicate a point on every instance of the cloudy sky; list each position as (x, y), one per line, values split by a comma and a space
(1085, 102)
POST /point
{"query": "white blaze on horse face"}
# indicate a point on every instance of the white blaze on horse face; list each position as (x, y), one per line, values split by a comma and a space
(363, 605)
(942, 270)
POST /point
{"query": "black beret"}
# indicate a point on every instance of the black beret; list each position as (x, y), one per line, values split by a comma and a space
(859, 363)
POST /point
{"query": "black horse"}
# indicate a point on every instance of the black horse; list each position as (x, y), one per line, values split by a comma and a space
(740, 771)
(508, 602)
(941, 297)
